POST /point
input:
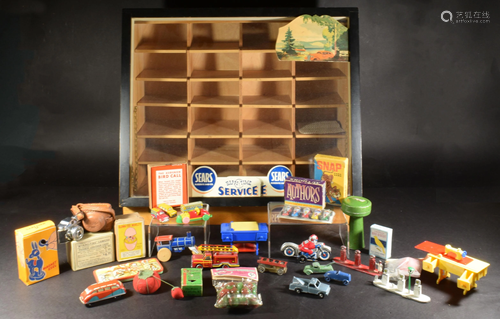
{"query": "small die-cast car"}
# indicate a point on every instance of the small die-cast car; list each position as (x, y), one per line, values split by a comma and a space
(338, 275)
(159, 214)
(193, 216)
(102, 291)
(272, 265)
(168, 209)
(317, 268)
(309, 286)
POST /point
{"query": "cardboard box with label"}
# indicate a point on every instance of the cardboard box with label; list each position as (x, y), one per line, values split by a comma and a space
(36, 247)
(130, 237)
(92, 250)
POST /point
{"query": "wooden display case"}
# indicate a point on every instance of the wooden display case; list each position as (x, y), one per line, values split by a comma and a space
(210, 91)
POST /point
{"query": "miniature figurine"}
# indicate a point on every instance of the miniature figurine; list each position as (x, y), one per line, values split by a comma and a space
(308, 246)
(326, 214)
(102, 291)
(296, 212)
(306, 212)
(309, 286)
(310, 249)
(286, 210)
(316, 214)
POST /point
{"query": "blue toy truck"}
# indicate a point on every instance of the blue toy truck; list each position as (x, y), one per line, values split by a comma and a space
(166, 244)
(248, 234)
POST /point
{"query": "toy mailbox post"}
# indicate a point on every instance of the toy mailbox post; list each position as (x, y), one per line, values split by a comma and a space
(356, 207)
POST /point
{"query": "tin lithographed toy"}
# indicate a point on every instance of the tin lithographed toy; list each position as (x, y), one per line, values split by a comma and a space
(37, 257)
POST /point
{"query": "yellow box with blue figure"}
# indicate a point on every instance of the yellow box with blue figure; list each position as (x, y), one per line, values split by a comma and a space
(36, 247)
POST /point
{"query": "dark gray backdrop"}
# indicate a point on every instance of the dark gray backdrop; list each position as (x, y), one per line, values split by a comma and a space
(428, 93)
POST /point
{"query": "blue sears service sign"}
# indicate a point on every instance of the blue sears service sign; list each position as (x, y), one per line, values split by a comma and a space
(203, 179)
(277, 176)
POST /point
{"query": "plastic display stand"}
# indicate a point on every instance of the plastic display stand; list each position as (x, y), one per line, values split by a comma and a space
(339, 224)
(155, 227)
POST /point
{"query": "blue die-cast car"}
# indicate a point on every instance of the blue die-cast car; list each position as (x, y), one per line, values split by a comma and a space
(338, 275)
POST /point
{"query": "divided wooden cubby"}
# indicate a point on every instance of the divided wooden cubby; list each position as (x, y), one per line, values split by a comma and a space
(211, 91)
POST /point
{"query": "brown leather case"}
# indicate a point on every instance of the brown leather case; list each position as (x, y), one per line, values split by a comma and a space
(95, 217)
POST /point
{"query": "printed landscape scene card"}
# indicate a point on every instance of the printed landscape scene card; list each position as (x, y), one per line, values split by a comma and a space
(313, 38)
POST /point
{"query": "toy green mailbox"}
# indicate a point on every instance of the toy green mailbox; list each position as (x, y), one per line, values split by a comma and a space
(356, 207)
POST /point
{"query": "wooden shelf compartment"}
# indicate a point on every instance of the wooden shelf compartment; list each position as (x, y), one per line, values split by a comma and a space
(215, 94)
(267, 151)
(306, 71)
(141, 177)
(215, 37)
(221, 170)
(305, 170)
(265, 123)
(258, 66)
(316, 94)
(214, 123)
(161, 67)
(161, 151)
(260, 170)
(214, 66)
(261, 36)
(214, 151)
(160, 38)
(163, 122)
(172, 94)
(306, 149)
(320, 122)
(272, 94)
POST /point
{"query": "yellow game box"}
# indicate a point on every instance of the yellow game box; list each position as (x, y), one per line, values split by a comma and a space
(333, 170)
(36, 247)
(130, 237)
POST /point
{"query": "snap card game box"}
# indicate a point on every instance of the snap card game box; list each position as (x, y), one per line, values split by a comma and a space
(334, 171)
